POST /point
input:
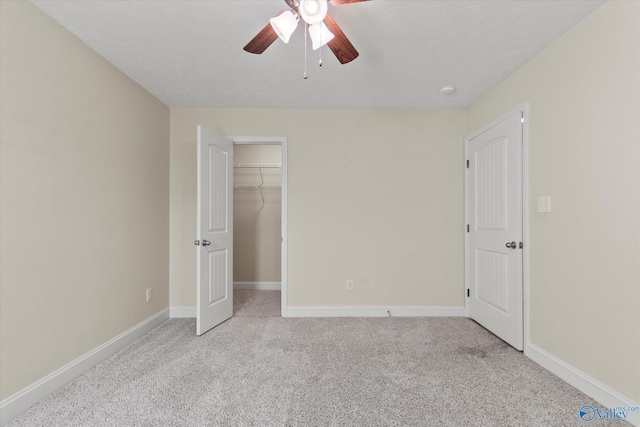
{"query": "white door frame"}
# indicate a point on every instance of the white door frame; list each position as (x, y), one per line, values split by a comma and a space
(282, 141)
(524, 108)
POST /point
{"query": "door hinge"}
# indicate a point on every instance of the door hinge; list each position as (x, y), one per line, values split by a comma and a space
(467, 164)
(468, 293)
(521, 119)
(467, 228)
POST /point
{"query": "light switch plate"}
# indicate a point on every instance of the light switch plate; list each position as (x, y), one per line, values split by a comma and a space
(544, 204)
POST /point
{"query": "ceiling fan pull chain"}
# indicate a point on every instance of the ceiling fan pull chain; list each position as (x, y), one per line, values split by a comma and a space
(305, 75)
(320, 51)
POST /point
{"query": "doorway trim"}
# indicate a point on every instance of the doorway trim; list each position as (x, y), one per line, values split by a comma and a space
(526, 250)
(282, 141)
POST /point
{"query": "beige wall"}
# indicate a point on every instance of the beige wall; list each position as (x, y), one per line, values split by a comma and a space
(84, 198)
(584, 94)
(374, 195)
(257, 214)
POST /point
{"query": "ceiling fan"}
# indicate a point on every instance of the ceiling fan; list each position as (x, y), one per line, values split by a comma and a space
(322, 28)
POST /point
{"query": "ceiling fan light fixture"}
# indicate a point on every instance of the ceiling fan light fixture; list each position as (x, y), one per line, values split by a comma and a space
(313, 11)
(320, 35)
(284, 25)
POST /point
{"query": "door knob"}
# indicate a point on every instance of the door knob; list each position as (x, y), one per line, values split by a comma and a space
(510, 245)
(197, 243)
(207, 243)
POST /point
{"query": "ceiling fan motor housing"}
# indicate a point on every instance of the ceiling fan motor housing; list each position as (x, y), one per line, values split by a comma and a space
(313, 11)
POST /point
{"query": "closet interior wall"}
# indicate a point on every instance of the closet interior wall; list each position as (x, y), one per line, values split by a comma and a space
(257, 215)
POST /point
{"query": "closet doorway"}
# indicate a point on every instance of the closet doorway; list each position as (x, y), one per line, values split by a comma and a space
(259, 206)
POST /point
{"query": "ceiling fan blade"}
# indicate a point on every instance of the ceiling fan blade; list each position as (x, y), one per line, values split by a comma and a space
(338, 2)
(340, 44)
(262, 40)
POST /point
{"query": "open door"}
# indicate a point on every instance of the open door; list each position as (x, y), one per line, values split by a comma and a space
(495, 228)
(215, 230)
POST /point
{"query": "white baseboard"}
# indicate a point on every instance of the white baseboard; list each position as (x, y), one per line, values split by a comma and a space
(593, 388)
(257, 286)
(373, 311)
(21, 401)
(182, 312)
(190, 312)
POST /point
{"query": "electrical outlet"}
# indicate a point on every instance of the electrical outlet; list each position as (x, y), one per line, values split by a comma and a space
(149, 294)
(349, 285)
(544, 204)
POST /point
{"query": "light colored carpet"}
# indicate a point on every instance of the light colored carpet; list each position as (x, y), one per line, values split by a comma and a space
(270, 371)
(256, 303)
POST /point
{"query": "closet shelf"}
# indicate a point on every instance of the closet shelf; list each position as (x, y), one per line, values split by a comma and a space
(258, 187)
(257, 165)
(260, 166)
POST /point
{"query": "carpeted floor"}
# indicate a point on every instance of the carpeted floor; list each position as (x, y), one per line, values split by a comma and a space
(269, 371)
(256, 303)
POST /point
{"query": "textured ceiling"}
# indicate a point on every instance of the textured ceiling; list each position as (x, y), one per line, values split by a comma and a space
(189, 53)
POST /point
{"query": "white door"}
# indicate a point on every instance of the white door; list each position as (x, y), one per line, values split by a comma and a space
(215, 230)
(494, 238)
